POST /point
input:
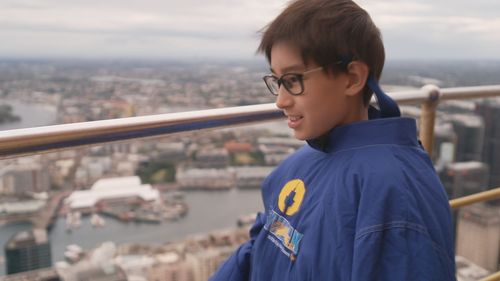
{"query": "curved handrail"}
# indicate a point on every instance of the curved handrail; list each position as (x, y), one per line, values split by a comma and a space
(19, 142)
(15, 143)
(475, 198)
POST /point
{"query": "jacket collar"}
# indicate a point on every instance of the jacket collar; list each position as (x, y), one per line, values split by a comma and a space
(395, 131)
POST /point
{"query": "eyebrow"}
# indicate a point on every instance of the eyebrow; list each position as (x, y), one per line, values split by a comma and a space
(296, 67)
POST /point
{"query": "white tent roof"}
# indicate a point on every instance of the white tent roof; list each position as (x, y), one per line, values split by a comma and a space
(112, 188)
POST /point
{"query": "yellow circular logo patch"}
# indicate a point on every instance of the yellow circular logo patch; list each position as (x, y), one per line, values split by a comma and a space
(291, 197)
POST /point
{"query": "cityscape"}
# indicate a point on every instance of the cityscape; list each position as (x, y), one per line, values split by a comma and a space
(174, 208)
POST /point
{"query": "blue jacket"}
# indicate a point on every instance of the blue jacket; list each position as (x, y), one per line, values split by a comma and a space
(365, 204)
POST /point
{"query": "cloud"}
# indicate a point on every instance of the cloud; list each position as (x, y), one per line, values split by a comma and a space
(218, 28)
(438, 29)
(185, 15)
(395, 7)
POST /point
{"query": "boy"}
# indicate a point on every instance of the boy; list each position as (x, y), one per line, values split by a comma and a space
(360, 201)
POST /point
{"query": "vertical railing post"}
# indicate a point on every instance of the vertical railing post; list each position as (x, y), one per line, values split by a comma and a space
(494, 277)
(428, 117)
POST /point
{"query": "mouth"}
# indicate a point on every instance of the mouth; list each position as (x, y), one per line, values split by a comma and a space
(294, 121)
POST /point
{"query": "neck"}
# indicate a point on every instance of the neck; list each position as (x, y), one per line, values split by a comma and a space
(358, 113)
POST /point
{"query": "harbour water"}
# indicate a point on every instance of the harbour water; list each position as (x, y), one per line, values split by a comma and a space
(208, 211)
(32, 115)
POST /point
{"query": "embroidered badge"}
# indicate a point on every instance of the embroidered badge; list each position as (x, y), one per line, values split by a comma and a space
(291, 197)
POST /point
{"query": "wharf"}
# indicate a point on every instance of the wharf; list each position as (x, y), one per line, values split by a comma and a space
(46, 217)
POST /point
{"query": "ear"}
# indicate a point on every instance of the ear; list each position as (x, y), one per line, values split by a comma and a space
(357, 73)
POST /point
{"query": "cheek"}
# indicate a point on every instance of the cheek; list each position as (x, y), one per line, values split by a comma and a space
(327, 107)
(324, 112)
(323, 101)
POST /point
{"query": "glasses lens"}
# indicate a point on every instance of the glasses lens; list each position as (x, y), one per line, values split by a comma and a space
(272, 84)
(293, 83)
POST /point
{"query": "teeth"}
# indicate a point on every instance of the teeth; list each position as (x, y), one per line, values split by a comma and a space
(294, 118)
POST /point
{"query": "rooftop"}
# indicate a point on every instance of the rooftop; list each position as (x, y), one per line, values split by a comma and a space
(36, 236)
(112, 188)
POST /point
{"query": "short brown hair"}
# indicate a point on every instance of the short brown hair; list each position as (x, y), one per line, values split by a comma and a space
(327, 31)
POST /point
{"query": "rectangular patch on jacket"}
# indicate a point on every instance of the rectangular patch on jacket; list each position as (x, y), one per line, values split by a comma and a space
(288, 238)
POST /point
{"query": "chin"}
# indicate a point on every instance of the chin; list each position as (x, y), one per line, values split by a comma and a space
(302, 137)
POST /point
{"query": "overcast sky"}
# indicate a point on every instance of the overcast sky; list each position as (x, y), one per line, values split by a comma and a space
(216, 29)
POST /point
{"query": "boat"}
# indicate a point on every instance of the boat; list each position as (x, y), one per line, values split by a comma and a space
(96, 220)
(73, 253)
(147, 218)
(73, 220)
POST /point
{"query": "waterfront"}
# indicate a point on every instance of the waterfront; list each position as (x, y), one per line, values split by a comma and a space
(32, 115)
(208, 211)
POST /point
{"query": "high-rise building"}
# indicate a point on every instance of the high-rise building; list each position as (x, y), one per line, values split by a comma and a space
(28, 250)
(25, 178)
(464, 178)
(480, 223)
(469, 129)
(490, 111)
(445, 140)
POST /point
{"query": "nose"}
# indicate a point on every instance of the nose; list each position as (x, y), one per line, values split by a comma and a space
(284, 99)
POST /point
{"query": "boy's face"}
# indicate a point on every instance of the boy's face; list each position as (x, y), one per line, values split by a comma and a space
(323, 105)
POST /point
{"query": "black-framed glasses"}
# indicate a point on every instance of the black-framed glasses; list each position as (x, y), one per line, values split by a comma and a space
(293, 82)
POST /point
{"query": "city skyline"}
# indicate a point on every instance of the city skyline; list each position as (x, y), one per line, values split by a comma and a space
(222, 29)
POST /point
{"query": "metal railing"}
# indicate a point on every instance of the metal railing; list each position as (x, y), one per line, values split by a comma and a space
(475, 198)
(15, 143)
(20, 142)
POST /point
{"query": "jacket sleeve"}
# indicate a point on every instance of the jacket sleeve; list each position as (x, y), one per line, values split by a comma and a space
(237, 267)
(399, 251)
(403, 226)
